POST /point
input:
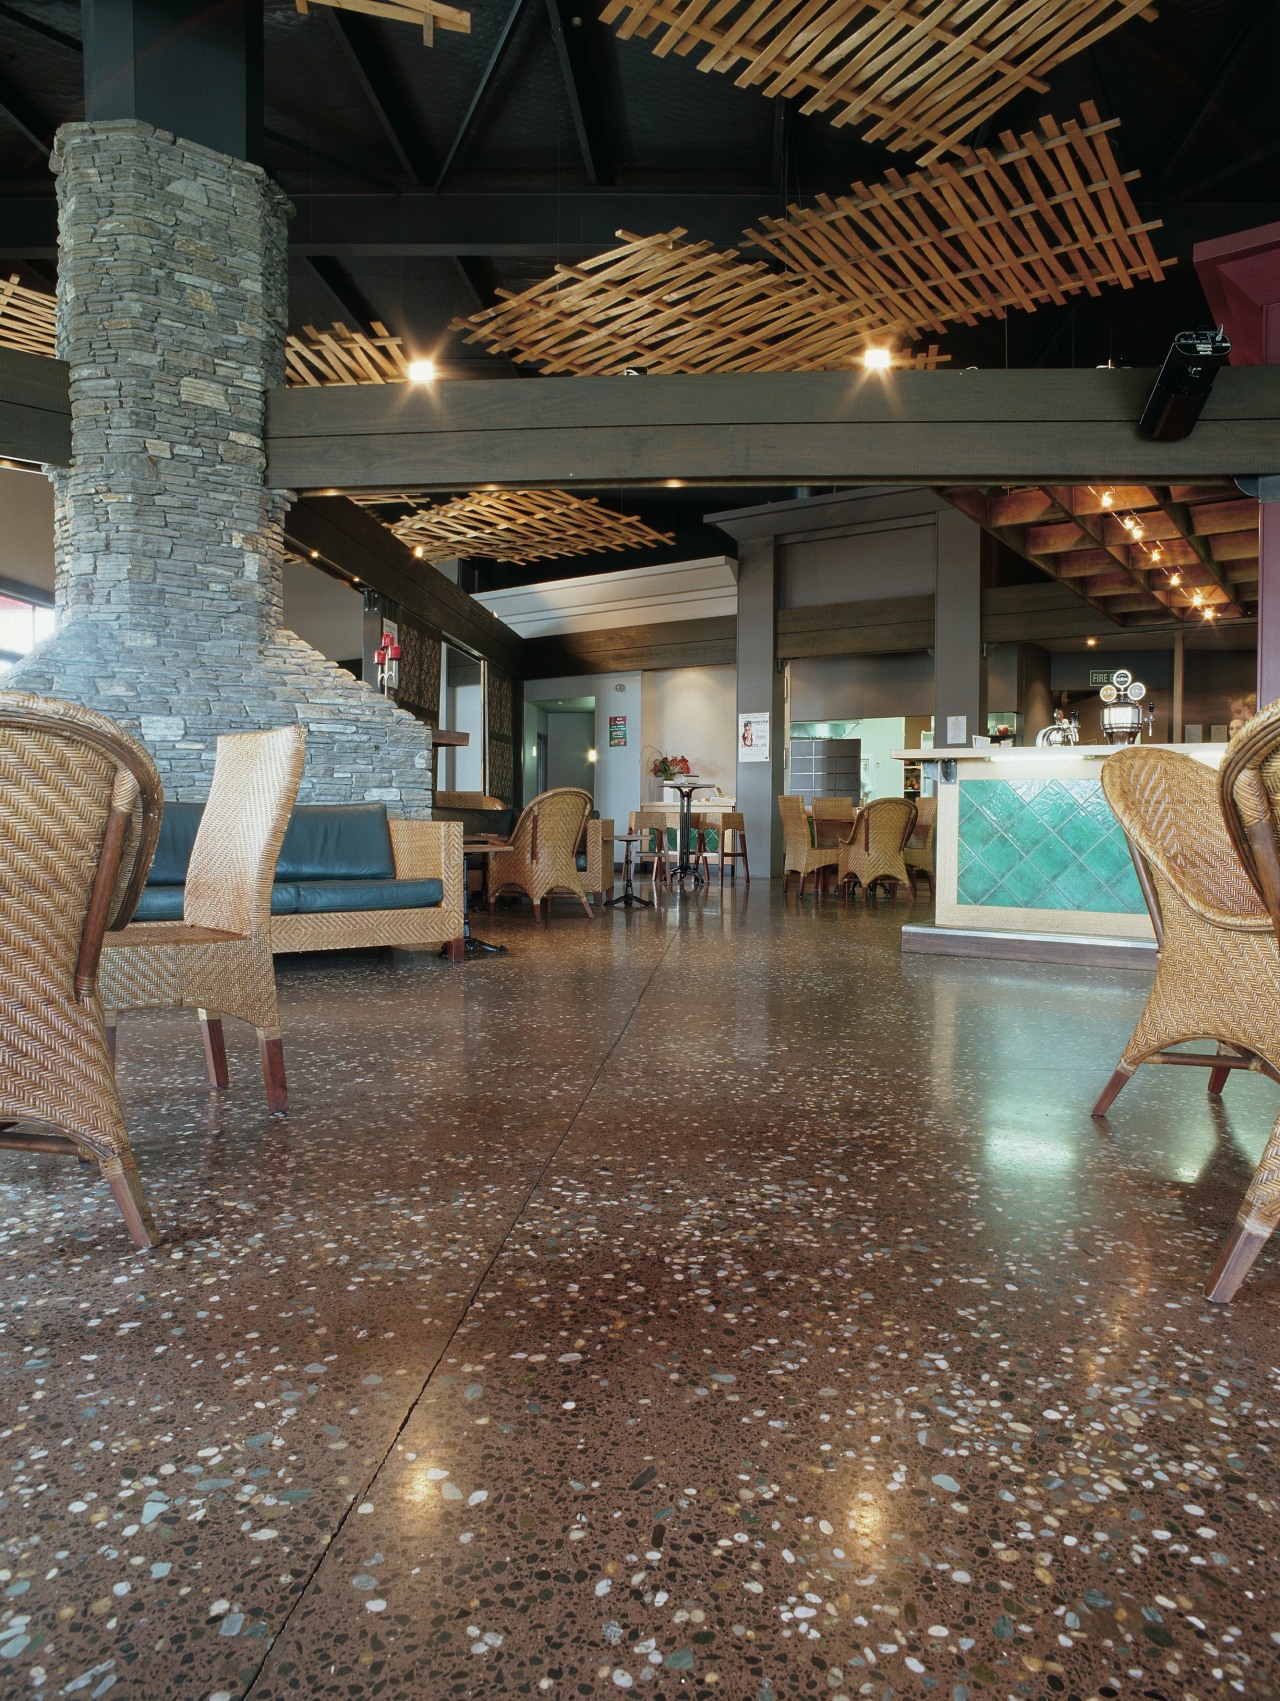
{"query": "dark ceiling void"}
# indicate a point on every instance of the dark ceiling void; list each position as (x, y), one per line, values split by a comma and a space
(427, 179)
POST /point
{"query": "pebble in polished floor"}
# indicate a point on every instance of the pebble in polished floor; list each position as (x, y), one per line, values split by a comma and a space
(705, 1300)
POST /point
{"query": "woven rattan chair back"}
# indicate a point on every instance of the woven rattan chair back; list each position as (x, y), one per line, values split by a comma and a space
(1249, 789)
(79, 815)
(233, 860)
(540, 855)
(796, 836)
(1168, 805)
(1218, 968)
(874, 850)
(832, 819)
(926, 823)
(801, 856)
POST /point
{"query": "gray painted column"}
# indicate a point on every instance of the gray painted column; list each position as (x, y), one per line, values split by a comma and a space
(760, 690)
(960, 674)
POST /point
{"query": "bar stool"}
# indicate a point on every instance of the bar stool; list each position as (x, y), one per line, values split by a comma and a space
(723, 823)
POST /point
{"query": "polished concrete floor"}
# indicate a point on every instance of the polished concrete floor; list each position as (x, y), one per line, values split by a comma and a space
(705, 1300)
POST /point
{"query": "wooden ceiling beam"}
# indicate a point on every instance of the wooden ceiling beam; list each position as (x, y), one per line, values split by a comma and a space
(1063, 496)
(1185, 520)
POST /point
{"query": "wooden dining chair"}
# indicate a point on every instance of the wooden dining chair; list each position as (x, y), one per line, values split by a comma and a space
(540, 857)
(80, 804)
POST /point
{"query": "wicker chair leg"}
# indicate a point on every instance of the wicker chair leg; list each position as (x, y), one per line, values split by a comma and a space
(1218, 1077)
(586, 904)
(122, 1177)
(215, 1048)
(456, 950)
(1123, 1072)
(271, 1050)
(1253, 1226)
(112, 1029)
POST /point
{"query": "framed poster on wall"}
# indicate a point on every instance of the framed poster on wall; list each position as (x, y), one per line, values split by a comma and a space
(753, 738)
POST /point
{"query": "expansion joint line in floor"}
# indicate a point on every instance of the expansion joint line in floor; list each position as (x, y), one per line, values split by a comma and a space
(480, 1280)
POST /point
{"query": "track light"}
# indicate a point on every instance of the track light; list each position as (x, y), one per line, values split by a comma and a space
(1182, 388)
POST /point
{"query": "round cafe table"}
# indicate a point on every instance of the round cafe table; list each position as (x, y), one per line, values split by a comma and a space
(685, 868)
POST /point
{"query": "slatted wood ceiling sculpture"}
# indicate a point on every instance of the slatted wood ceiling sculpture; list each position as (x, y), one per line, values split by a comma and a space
(1138, 553)
(26, 318)
(922, 75)
(519, 526)
(1048, 217)
(422, 14)
(343, 356)
(661, 305)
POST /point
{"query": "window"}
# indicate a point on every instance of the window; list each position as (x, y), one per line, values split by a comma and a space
(22, 626)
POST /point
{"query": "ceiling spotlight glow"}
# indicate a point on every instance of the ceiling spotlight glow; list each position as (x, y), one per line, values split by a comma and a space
(422, 371)
(1175, 579)
(1091, 642)
(877, 359)
(1107, 498)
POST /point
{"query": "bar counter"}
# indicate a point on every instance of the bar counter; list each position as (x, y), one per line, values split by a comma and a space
(1030, 861)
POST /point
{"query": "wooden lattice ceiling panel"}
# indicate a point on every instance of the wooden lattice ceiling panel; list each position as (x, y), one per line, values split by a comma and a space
(925, 73)
(343, 356)
(422, 14)
(660, 305)
(519, 526)
(1046, 218)
(1137, 553)
(26, 318)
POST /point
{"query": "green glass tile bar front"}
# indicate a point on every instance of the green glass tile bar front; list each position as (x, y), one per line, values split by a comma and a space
(1043, 845)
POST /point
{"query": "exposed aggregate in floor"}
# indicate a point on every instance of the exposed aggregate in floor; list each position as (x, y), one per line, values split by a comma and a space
(709, 1301)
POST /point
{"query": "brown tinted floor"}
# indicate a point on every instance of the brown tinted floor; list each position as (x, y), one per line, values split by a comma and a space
(706, 1301)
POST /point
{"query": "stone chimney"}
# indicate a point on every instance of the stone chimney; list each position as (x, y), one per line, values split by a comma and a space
(172, 307)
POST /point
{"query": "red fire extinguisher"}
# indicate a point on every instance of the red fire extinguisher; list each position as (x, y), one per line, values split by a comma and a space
(387, 656)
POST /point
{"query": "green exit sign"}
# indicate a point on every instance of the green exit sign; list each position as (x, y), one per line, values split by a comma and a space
(1100, 676)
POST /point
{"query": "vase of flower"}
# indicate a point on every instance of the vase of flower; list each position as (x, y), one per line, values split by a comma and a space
(664, 768)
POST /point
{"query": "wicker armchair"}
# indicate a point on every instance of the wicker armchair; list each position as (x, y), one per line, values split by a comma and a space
(874, 850)
(79, 816)
(217, 959)
(1218, 968)
(801, 856)
(540, 857)
(833, 819)
(918, 854)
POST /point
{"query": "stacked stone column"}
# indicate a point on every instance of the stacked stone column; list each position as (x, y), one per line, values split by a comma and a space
(172, 304)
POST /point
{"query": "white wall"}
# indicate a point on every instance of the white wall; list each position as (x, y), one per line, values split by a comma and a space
(26, 529)
(323, 611)
(617, 787)
(694, 714)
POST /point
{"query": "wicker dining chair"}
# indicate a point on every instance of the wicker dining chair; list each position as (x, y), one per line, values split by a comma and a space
(722, 833)
(833, 819)
(873, 852)
(1217, 967)
(801, 856)
(217, 959)
(652, 825)
(540, 856)
(919, 853)
(80, 806)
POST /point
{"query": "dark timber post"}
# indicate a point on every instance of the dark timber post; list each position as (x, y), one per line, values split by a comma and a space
(195, 71)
